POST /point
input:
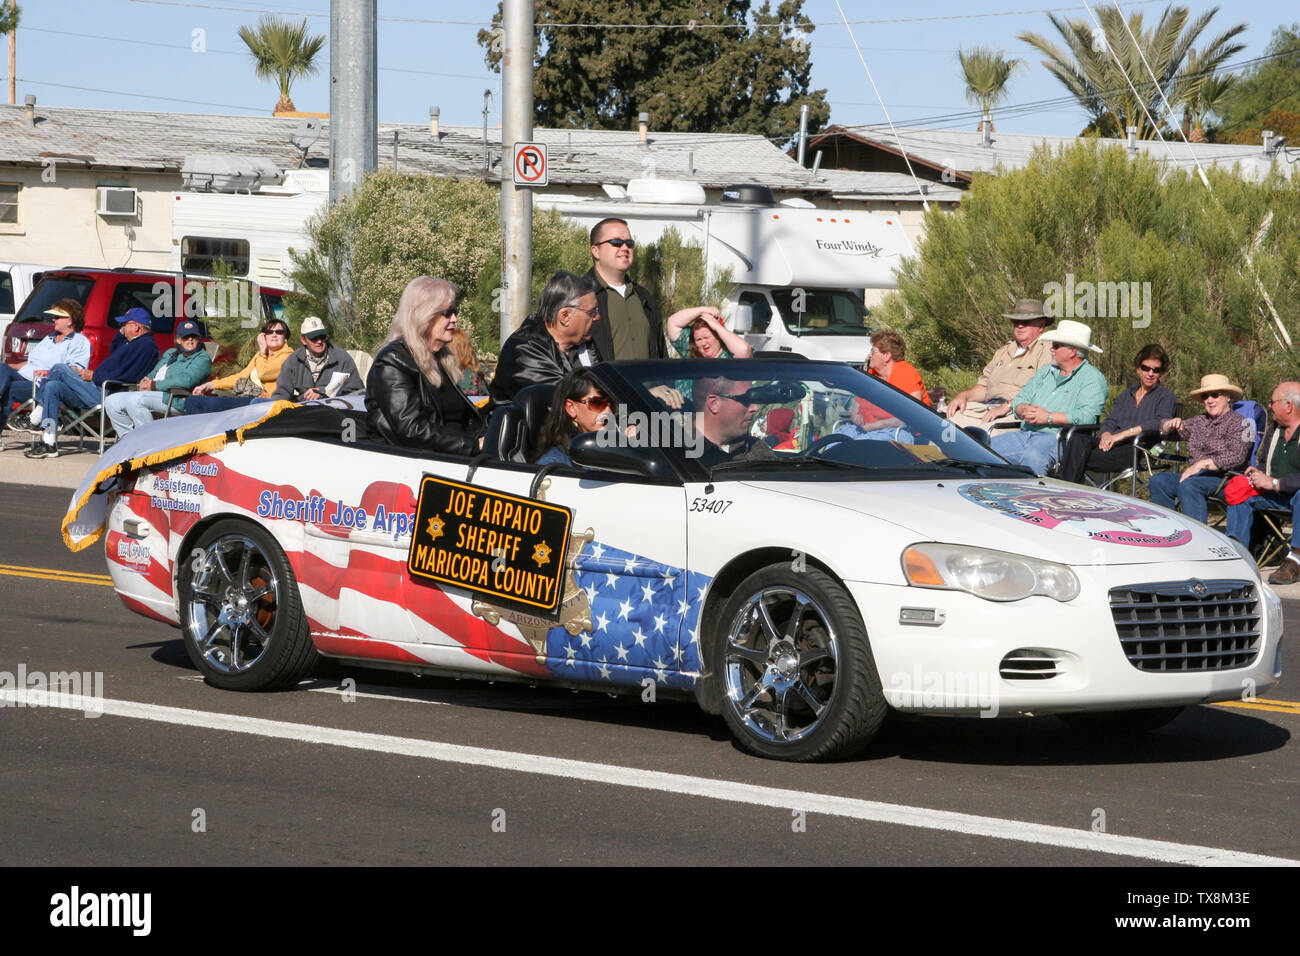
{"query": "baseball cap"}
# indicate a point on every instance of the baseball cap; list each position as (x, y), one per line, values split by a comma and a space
(313, 328)
(136, 315)
(188, 327)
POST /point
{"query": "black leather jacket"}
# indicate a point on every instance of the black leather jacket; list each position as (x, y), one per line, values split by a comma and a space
(529, 357)
(403, 407)
(604, 337)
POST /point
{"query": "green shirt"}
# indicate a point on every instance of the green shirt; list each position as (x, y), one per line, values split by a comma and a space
(628, 325)
(1080, 395)
(1285, 459)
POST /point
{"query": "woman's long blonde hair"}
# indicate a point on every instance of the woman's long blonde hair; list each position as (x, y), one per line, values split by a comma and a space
(423, 300)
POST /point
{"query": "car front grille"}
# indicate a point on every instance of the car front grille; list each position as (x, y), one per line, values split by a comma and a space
(1189, 625)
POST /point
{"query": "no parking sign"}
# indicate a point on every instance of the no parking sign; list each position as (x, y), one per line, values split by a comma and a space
(530, 164)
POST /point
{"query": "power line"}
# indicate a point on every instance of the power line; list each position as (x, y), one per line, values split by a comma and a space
(145, 96)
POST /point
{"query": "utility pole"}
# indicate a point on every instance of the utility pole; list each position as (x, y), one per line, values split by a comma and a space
(13, 54)
(354, 125)
(516, 127)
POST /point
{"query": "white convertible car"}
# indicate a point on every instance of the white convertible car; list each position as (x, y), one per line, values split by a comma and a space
(849, 552)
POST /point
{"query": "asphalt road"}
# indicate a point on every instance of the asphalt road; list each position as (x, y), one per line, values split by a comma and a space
(432, 771)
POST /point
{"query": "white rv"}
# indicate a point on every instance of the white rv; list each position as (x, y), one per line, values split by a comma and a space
(247, 220)
(799, 273)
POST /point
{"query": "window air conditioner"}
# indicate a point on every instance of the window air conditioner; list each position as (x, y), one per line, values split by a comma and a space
(116, 201)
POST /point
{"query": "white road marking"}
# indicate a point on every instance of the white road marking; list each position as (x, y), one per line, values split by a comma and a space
(327, 687)
(942, 820)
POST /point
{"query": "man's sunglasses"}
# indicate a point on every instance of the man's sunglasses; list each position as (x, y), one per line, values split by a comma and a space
(1154, 371)
(597, 403)
(618, 243)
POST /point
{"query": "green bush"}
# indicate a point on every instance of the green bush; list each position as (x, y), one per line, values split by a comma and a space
(1103, 217)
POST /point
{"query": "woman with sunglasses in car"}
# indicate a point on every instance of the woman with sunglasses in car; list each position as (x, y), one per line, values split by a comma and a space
(579, 406)
(1146, 405)
(412, 398)
(1218, 440)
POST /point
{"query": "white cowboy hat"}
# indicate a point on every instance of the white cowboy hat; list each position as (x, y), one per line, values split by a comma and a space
(1073, 333)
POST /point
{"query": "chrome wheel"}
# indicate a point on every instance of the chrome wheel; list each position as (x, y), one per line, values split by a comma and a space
(233, 603)
(780, 664)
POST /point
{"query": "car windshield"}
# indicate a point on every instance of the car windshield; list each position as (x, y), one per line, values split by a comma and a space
(822, 312)
(725, 418)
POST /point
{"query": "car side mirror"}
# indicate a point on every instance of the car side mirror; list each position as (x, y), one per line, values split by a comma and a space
(597, 450)
(743, 320)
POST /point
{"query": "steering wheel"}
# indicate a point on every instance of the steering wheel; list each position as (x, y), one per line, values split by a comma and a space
(826, 441)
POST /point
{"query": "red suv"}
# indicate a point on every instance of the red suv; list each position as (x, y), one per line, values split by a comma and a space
(106, 294)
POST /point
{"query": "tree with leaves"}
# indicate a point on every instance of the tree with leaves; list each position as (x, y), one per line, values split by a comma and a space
(986, 73)
(282, 51)
(1267, 94)
(1136, 221)
(1089, 70)
(693, 65)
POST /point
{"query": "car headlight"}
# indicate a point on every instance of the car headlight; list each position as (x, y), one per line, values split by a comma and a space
(991, 575)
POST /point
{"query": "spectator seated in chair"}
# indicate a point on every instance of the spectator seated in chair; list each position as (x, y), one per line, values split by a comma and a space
(988, 402)
(64, 346)
(1069, 390)
(256, 380)
(1277, 485)
(1142, 407)
(319, 369)
(1218, 441)
(183, 366)
(131, 354)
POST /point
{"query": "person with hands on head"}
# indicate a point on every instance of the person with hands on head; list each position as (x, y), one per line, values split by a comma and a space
(699, 333)
(1218, 440)
(988, 401)
(184, 365)
(412, 399)
(1277, 484)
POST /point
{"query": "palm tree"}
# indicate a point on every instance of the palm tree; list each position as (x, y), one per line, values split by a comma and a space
(283, 51)
(1088, 67)
(986, 73)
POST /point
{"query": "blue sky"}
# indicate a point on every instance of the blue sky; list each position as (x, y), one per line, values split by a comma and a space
(141, 55)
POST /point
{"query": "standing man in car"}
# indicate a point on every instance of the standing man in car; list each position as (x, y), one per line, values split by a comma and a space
(631, 327)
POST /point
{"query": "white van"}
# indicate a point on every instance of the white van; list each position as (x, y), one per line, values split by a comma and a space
(798, 273)
(17, 279)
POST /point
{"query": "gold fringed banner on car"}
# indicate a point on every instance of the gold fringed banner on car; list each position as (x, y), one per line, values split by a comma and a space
(509, 548)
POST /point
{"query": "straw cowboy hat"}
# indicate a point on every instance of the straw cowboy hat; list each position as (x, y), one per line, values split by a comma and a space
(1073, 333)
(1215, 383)
(1026, 310)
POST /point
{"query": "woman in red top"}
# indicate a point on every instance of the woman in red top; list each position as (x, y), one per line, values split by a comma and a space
(886, 362)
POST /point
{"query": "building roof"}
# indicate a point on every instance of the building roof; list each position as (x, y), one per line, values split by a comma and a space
(122, 139)
(964, 151)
